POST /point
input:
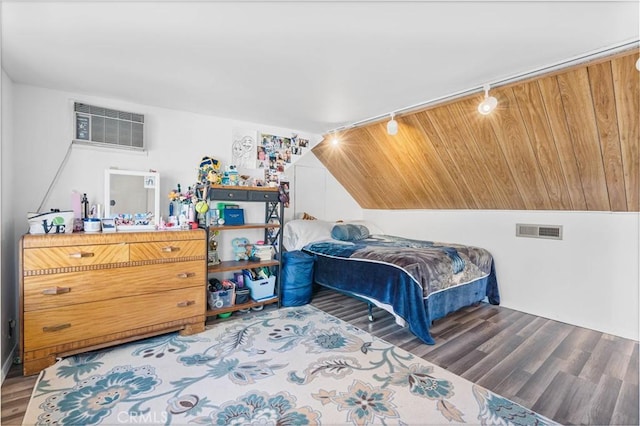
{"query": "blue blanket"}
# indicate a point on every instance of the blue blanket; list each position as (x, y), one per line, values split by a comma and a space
(419, 281)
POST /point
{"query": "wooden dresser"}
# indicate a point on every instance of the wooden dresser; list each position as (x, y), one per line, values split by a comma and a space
(81, 291)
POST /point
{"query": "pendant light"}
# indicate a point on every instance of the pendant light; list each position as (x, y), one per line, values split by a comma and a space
(488, 104)
(392, 126)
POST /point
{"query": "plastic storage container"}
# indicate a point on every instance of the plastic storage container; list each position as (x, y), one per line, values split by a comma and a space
(242, 295)
(262, 288)
(221, 299)
(297, 278)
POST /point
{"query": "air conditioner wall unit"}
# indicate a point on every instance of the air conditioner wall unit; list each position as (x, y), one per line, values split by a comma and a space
(107, 127)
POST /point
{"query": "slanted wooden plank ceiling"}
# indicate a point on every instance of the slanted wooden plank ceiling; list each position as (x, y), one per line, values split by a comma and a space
(563, 141)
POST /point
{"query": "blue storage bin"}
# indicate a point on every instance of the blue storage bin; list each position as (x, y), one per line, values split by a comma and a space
(297, 278)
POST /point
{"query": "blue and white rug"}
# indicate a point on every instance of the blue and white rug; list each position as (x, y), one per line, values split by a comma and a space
(289, 366)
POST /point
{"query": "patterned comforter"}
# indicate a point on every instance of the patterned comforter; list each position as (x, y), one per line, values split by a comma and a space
(419, 281)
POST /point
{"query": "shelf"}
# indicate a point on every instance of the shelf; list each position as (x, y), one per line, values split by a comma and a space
(271, 227)
(232, 308)
(235, 265)
(245, 188)
(245, 226)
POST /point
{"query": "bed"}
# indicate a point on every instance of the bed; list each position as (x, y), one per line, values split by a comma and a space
(417, 281)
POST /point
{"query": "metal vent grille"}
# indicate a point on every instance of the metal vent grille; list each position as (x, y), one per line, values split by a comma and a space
(553, 232)
(96, 125)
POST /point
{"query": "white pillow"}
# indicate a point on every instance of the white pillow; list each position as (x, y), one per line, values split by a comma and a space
(298, 233)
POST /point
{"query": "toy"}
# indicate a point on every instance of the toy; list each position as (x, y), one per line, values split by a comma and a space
(208, 170)
(239, 248)
(213, 177)
(230, 176)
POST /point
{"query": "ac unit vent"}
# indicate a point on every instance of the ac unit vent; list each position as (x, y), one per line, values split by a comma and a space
(553, 232)
(106, 127)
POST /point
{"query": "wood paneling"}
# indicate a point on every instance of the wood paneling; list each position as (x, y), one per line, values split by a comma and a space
(563, 141)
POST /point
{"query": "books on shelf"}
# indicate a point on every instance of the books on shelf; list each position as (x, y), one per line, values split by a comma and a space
(263, 251)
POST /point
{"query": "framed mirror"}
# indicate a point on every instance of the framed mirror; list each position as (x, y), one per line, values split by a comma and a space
(132, 198)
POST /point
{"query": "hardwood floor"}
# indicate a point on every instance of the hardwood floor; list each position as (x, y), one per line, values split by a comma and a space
(569, 374)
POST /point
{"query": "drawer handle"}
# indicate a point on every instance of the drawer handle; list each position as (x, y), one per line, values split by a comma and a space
(186, 274)
(81, 254)
(170, 249)
(56, 290)
(186, 303)
(56, 327)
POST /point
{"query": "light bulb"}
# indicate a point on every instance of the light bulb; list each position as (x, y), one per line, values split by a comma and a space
(335, 141)
(488, 104)
(638, 64)
(392, 126)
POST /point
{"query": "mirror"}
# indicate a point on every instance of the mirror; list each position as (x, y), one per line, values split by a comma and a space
(133, 197)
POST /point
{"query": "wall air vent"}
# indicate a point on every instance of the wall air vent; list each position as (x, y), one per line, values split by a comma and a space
(108, 127)
(553, 232)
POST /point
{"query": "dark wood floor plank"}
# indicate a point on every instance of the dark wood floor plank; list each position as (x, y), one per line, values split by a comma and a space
(496, 340)
(551, 399)
(575, 362)
(541, 379)
(633, 368)
(532, 326)
(597, 362)
(617, 365)
(606, 395)
(579, 338)
(544, 342)
(626, 411)
(466, 362)
(488, 364)
(512, 383)
(577, 397)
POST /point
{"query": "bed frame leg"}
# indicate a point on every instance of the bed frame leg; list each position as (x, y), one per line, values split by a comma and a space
(370, 312)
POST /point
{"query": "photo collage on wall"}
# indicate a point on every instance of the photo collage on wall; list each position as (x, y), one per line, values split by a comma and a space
(275, 152)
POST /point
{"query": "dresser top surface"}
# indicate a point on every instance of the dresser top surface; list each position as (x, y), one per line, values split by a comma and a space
(81, 238)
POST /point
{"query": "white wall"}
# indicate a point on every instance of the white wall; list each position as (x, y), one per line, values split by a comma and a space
(318, 193)
(8, 277)
(589, 279)
(38, 135)
(176, 141)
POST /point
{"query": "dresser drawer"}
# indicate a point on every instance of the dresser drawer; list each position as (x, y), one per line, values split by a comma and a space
(228, 194)
(51, 327)
(70, 256)
(51, 291)
(167, 249)
(263, 196)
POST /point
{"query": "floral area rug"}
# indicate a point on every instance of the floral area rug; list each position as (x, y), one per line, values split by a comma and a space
(290, 366)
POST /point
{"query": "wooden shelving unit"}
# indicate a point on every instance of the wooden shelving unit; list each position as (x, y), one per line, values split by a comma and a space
(272, 225)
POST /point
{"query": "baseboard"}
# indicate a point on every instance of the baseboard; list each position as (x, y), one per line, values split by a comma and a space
(8, 363)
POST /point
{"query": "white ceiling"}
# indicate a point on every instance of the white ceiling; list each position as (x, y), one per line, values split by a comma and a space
(306, 65)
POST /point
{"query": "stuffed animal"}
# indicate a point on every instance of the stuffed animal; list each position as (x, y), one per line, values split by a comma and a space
(240, 248)
(209, 169)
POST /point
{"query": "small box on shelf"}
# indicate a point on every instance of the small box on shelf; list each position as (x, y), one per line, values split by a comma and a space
(243, 295)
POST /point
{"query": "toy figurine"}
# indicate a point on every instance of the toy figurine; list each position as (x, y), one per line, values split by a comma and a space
(239, 248)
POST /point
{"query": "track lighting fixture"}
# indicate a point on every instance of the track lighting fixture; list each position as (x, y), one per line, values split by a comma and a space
(392, 126)
(488, 104)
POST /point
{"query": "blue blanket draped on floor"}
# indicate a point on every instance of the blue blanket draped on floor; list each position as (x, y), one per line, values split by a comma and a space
(419, 281)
